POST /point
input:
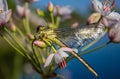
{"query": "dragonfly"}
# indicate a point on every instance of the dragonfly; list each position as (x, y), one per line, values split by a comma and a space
(68, 37)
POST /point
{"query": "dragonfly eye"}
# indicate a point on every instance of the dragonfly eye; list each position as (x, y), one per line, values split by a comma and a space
(40, 28)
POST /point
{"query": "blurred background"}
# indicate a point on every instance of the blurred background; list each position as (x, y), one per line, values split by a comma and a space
(105, 61)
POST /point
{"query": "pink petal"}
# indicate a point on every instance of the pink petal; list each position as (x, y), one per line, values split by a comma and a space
(97, 5)
(5, 16)
(48, 60)
(20, 10)
(58, 58)
(113, 16)
(66, 49)
(114, 33)
(8, 15)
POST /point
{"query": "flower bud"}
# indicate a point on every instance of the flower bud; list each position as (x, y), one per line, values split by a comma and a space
(114, 33)
(12, 26)
(50, 7)
(22, 11)
(40, 12)
(40, 43)
(30, 36)
(94, 18)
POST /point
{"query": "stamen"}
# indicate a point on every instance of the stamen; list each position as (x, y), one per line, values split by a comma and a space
(113, 3)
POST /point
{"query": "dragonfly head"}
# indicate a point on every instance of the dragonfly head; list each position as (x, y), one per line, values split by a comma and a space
(44, 32)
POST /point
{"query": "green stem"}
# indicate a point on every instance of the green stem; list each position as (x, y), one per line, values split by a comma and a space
(18, 60)
(26, 21)
(13, 46)
(52, 18)
(35, 52)
(53, 48)
(26, 25)
(58, 21)
(15, 39)
(20, 32)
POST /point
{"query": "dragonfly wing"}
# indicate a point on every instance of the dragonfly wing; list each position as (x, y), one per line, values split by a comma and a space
(79, 36)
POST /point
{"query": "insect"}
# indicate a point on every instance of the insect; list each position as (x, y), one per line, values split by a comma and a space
(67, 37)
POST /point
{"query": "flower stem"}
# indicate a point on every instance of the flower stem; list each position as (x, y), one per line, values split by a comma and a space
(58, 21)
(20, 32)
(13, 46)
(52, 18)
(26, 21)
(53, 48)
(15, 39)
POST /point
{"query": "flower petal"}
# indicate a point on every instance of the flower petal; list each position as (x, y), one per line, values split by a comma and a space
(48, 60)
(97, 5)
(58, 58)
(3, 5)
(66, 49)
(20, 10)
(114, 33)
(113, 16)
(8, 14)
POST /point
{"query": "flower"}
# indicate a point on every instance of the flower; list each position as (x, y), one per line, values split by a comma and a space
(39, 43)
(5, 14)
(12, 26)
(59, 56)
(94, 18)
(103, 8)
(50, 7)
(111, 19)
(64, 11)
(22, 11)
(30, 36)
(114, 33)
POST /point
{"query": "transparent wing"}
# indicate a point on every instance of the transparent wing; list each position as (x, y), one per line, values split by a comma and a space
(79, 36)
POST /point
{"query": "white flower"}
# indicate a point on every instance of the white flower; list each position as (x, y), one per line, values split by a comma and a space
(5, 14)
(102, 8)
(59, 56)
(111, 20)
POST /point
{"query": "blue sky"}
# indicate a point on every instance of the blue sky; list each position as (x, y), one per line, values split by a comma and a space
(82, 6)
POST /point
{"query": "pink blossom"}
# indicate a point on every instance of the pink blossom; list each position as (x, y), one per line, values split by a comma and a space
(64, 11)
(59, 56)
(50, 7)
(103, 8)
(22, 11)
(5, 14)
(39, 43)
(114, 33)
